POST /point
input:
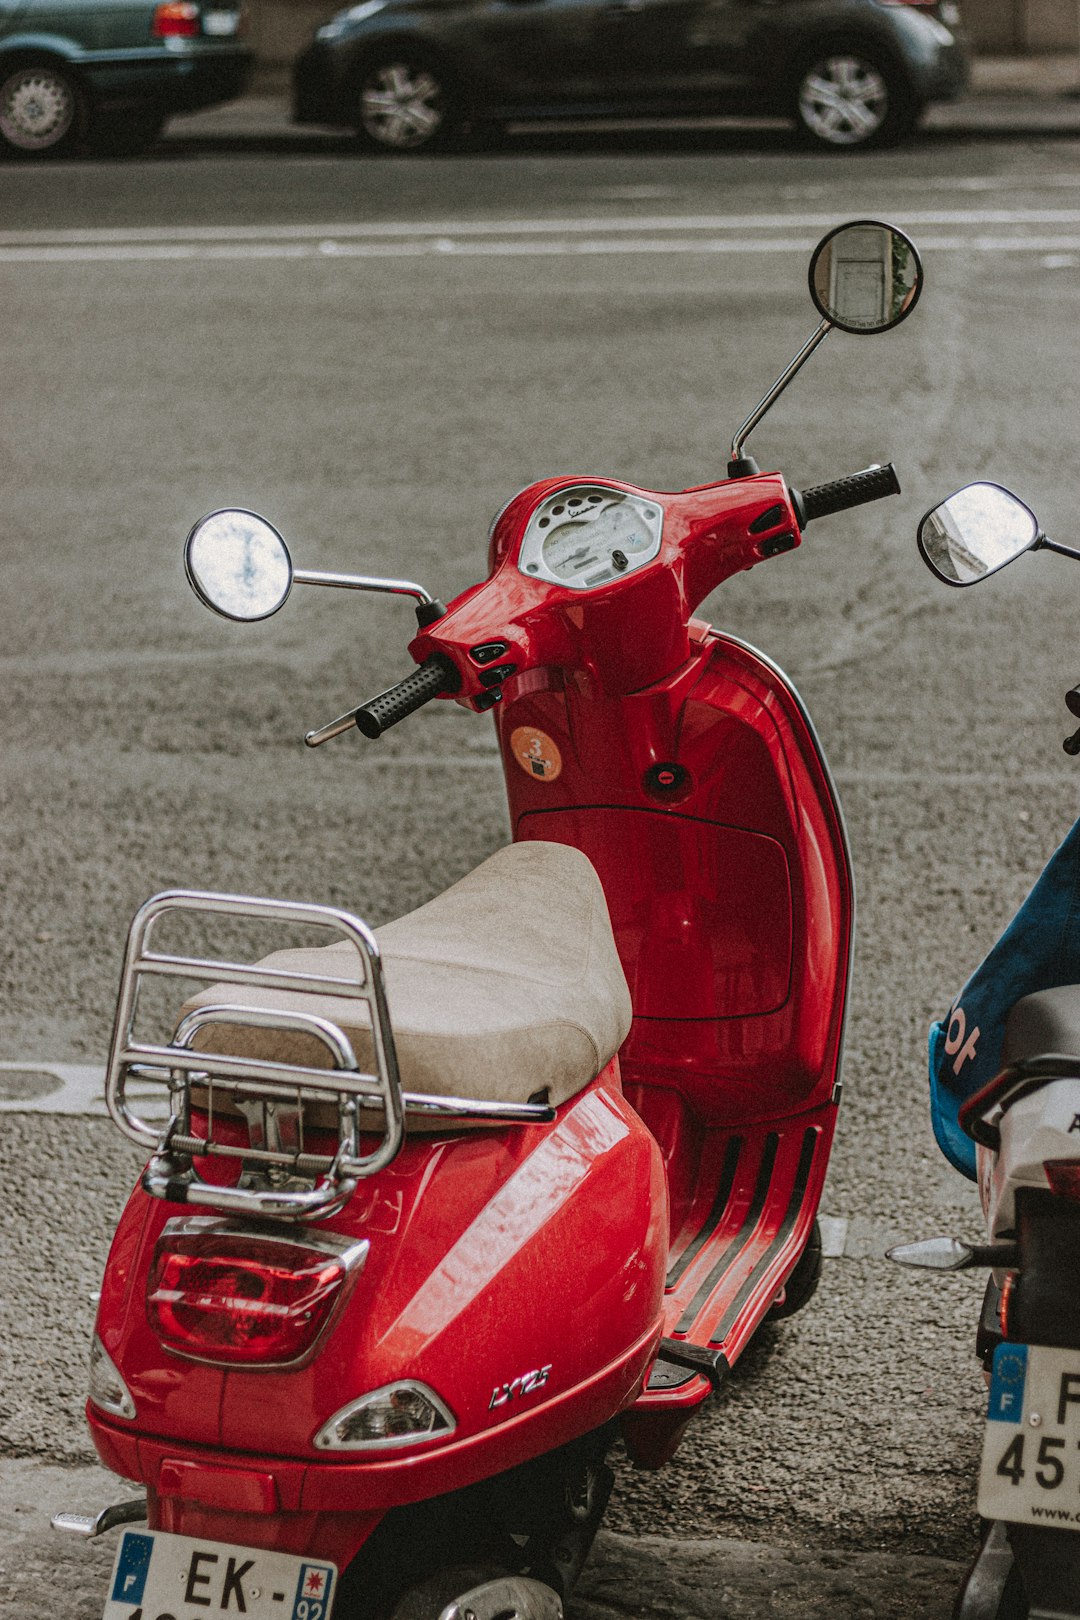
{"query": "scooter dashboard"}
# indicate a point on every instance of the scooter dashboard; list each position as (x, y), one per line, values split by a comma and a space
(587, 535)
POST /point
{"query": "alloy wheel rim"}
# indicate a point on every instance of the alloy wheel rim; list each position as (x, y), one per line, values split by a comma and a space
(37, 108)
(843, 100)
(401, 106)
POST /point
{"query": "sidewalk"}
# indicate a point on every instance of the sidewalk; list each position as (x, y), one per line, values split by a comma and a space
(1039, 95)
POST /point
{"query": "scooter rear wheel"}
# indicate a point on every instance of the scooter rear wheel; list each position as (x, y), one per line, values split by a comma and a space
(428, 1599)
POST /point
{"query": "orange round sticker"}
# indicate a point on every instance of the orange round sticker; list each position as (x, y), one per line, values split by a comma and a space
(536, 753)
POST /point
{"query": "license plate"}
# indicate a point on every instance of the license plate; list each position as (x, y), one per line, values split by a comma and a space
(163, 1577)
(220, 22)
(1031, 1452)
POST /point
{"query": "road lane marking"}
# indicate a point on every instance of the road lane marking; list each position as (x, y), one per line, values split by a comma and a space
(36, 1087)
(420, 230)
(449, 248)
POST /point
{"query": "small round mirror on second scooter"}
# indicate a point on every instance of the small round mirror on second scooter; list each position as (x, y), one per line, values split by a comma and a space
(238, 565)
(865, 276)
(975, 532)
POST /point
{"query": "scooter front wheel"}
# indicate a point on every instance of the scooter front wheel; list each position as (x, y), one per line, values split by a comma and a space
(801, 1286)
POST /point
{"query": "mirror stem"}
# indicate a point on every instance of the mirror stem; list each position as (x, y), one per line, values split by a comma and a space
(1052, 545)
(771, 397)
(361, 582)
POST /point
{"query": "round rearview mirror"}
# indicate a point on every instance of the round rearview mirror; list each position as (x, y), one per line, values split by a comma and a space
(238, 564)
(975, 532)
(865, 276)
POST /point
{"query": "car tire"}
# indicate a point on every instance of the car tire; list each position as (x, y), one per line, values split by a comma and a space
(42, 109)
(126, 133)
(405, 103)
(848, 98)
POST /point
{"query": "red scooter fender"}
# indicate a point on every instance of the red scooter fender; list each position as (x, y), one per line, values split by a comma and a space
(517, 1274)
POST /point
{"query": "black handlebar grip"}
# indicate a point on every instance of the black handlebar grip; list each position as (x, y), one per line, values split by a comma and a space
(428, 680)
(872, 485)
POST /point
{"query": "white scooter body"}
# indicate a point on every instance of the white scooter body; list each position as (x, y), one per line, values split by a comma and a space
(1042, 1126)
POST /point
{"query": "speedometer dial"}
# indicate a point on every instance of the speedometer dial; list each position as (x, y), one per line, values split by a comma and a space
(589, 535)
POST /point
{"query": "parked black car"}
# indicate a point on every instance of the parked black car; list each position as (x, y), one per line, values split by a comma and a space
(410, 75)
(110, 75)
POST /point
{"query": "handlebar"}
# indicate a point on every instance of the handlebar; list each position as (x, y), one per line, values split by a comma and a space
(873, 484)
(428, 680)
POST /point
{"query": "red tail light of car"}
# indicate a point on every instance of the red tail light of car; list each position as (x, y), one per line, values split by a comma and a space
(236, 1295)
(1064, 1177)
(176, 17)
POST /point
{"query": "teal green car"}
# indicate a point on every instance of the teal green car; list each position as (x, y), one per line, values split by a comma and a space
(107, 75)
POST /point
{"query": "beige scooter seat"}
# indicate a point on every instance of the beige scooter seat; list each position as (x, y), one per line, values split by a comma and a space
(506, 985)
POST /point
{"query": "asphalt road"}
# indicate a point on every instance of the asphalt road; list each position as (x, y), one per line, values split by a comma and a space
(377, 355)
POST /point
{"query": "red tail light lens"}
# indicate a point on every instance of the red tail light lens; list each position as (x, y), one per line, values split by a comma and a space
(175, 17)
(1064, 1177)
(241, 1297)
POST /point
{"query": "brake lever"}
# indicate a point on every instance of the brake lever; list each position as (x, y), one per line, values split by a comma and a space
(334, 729)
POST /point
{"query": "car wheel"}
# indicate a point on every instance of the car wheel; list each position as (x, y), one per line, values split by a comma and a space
(41, 109)
(846, 99)
(126, 133)
(404, 104)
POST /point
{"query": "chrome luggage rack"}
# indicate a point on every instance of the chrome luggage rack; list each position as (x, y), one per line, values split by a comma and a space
(281, 1179)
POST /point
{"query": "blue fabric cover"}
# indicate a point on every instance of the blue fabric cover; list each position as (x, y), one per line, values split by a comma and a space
(1039, 949)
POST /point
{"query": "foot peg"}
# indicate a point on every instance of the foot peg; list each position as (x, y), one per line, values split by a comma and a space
(89, 1526)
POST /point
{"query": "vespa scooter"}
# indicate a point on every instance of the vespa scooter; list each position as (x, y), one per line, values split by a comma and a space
(439, 1211)
(1005, 1077)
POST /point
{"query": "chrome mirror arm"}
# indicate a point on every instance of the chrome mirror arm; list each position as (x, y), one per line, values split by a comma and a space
(771, 397)
(1044, 543)
(364, 582)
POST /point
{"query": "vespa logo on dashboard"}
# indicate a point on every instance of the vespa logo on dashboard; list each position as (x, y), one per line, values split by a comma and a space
(525, 1385)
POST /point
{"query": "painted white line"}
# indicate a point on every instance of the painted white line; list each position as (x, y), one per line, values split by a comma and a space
(448, 248)
(643, 225)
(834, 1230)
(76, 1089)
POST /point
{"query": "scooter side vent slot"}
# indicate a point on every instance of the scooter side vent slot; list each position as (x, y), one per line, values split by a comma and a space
(261, 1085)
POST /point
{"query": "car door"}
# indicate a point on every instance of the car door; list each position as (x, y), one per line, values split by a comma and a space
(11, 12)
(679, 52)
(542, 53)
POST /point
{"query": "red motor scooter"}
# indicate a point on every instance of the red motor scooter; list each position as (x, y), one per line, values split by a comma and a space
(438, 1212)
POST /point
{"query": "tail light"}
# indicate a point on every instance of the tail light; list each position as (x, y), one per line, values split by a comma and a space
(238, 1295)
(1064, 1177)
(174, 18)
